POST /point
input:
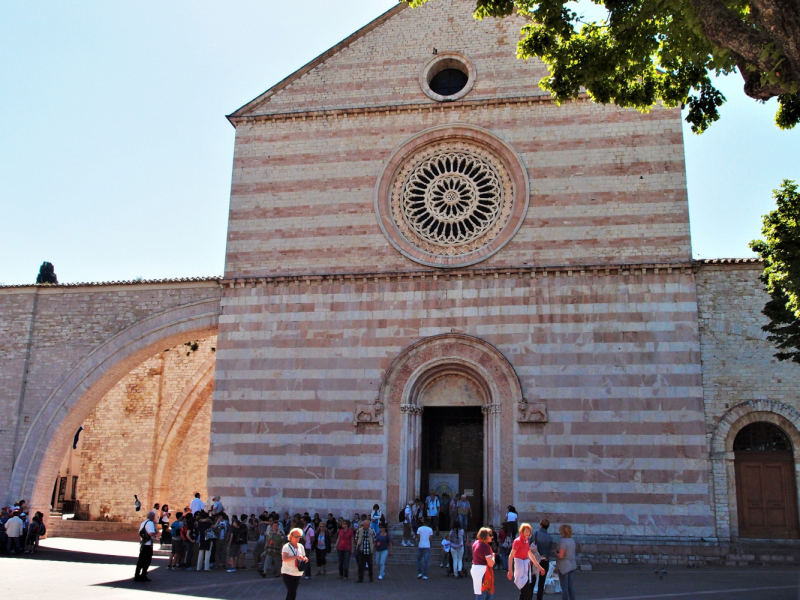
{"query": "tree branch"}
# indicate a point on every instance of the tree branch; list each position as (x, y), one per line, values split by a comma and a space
(780, 19)
(748, 44)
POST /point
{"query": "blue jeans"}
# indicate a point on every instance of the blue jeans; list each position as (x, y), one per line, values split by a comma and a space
(376, 526)
(567, 591)
(484, 596)
(423, 558)
(463, 519)
(380, 561)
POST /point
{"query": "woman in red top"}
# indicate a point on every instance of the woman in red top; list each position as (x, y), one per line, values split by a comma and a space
(482, 561)
(522, 557)
(344, 546)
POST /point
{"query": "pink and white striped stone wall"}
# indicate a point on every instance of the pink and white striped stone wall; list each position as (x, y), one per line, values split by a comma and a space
(615, 357)
(607, 185)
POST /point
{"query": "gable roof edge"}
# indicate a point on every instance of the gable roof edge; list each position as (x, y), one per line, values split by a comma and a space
(377, 22)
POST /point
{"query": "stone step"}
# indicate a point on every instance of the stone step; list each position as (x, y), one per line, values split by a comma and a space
(71, 528)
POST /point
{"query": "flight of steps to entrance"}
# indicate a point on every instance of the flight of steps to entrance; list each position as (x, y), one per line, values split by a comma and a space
(59, 527)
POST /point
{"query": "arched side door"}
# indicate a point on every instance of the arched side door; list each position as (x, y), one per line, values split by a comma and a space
(766, 491)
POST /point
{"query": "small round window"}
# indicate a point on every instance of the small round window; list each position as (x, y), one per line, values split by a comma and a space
(447, 76)
(449, 82)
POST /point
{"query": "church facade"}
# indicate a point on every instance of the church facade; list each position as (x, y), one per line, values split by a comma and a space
(436, 278)
(398, 249)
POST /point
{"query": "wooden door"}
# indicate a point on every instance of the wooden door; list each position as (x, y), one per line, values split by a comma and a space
(62, 492)
(766, 494)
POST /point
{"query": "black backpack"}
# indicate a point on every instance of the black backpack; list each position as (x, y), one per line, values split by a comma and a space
(402, 516)
(42, 530)
(145, 537)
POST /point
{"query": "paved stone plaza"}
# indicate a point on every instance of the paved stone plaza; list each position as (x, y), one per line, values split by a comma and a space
(87, 569)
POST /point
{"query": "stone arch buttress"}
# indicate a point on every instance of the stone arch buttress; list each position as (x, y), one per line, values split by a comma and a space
(192, 398)
(79, 390)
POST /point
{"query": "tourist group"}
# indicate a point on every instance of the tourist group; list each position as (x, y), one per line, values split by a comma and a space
(203, 536)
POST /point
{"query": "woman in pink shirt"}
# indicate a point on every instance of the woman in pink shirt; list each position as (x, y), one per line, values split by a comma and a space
(521, 559)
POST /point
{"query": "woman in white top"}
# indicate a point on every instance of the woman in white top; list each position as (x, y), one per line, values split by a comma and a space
(512, 518)
(375, 519)
(457, 541)
(294, 556)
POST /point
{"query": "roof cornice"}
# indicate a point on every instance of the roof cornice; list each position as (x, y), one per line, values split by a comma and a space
(728, 261)
(65, 286)
(531, 272)
(398, 108)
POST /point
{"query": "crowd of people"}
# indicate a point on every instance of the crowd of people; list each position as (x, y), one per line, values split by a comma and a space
(19, 532)
(203, 537)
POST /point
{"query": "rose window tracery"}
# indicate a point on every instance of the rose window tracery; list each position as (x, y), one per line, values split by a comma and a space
(452, 198)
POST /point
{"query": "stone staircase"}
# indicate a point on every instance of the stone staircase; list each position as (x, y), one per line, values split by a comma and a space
(58, 527)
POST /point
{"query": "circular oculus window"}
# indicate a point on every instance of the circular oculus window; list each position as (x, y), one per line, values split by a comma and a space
(452, 196)
(447, 76)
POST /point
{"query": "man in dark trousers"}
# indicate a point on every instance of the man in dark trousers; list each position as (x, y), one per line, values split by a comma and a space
(147, 531)
(364, 548)
(543, 543)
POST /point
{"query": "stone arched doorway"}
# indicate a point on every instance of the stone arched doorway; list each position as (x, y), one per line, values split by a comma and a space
(79, 391)
(723, 457)
(766, 492)
(455, 371)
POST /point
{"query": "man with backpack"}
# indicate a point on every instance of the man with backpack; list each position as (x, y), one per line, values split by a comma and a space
(147, 531)
(406, 520)
(432, 506)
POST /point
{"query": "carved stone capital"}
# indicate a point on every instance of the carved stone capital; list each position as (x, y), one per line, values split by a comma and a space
(491, 409)
(369, 414)
(412, 409)
(531, 413)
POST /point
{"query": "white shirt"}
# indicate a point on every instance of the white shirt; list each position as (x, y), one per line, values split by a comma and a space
(218, 508)
(308, 534)
(14, 527)
(408, 513)
(150, 528)
(196, 505)
(290, 568)
(512, 517)
(424, 534)
(433, 506)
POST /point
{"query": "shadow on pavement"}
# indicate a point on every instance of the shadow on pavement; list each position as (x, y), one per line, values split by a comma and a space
(77, 556)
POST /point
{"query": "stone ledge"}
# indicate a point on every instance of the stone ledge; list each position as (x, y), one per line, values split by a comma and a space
(463, 274)
(683, 551)
(70, 528)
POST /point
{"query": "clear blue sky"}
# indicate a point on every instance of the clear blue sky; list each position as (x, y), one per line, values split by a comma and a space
(115, 156)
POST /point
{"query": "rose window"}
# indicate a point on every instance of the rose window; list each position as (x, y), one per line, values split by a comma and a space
(452, 198)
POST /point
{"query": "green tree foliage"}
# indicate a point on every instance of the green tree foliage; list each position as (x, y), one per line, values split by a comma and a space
(780, 250)
(47, 274)
(650, 50)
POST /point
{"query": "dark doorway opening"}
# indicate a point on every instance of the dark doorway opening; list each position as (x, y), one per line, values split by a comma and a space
(766, 492)
(452, 446)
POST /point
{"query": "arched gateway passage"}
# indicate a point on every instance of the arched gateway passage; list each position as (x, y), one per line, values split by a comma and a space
(79, 391)
(463, 375)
